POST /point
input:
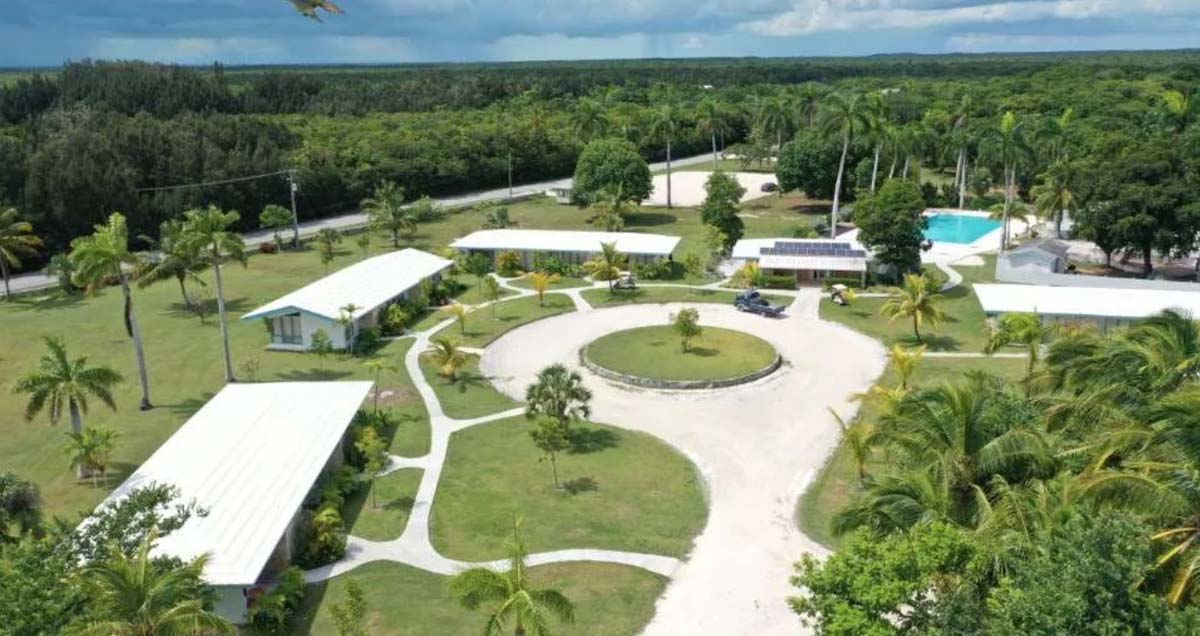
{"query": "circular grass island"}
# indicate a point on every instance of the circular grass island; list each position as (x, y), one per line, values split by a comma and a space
(654, 357)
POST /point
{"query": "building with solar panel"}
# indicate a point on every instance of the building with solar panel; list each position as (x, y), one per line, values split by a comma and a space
(810, 261)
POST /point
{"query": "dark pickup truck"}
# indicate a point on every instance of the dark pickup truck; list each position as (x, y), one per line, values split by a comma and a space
(753, 302)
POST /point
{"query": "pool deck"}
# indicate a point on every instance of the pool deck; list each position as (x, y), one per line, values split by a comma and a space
(946, 253)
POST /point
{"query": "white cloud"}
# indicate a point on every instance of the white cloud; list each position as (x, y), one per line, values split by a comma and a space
(999, 43)
(186, 50)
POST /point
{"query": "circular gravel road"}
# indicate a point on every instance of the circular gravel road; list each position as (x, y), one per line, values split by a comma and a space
(758, 445)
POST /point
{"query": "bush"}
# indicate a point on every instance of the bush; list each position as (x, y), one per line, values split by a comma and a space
(322, 537)
(508, 264)
(659, 270)
(550, 265)
(778, 281)
(848, 281)
(272, 613)
(368, 341)
(267, 247)
(805, 232)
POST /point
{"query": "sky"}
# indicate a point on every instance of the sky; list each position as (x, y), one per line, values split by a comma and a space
(50, 32)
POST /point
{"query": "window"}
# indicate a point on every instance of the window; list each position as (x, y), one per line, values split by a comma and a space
(287, 330)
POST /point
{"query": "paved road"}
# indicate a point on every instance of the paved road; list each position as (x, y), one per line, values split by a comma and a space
(39, 280)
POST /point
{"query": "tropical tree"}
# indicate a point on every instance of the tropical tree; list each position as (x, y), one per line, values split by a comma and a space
(90, 450)
(609, 206)
(1008, 145)
(773, 119)
(722, 195)
(20, 508)
(961, 137)
(551, 437)
(711, 120)
(510, 598)
(541, 282)
(277, 219)
(694, 267)
(877, 128)
(491, 292)
(208, 231)
(374, 450)
(172, 257)
(843, 117)
(915, 301)
(447, 356)
(808, 104)
(62, 382)
(1055, 196)
(1023, 329)
(859, 438)
(477, 265)
(327, 240)
(1179, 109)
(458, 312)
(664, 125)
(103, 256)
(349, 615)
(558, 394)
(61, 267)
(136, 596)
(686, 324)
(1054, 137)
(904, 362)
(589, 120)
(498, 219)
(386, 212)
(321, 345)
(16, 240)
(363, 242)
(607, 265)
(377, 367)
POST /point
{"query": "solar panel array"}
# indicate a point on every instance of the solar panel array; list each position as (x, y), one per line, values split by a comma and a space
(813, 248)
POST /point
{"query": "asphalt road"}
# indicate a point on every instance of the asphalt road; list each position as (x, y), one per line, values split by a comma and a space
(34, 281)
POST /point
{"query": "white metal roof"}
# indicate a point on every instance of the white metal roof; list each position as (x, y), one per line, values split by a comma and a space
(1096, 302)
(249, 456)
(366, 284)
(567, 241)
(819, 263)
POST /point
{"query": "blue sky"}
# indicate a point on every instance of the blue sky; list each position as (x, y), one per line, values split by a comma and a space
(48, 32)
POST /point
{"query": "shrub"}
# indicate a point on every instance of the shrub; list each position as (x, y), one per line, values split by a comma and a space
(550, 265)
(368, 341)
(272, 613)
(508, 263)
(805, 232)
(322, 537)
(396, 318)
(778, 281)
(267, 247)
(659, 270)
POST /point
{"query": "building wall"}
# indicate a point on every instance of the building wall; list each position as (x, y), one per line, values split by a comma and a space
(814, 278)
(570, 258)
(231, 603)
(1104, 323)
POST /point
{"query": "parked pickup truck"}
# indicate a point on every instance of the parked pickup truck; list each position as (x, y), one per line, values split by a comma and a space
(753, 302)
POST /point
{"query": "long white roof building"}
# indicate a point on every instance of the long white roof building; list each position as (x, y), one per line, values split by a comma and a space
(249, 457)
(367, 285)
(1084, 302)
(567, 241)
(807, 254)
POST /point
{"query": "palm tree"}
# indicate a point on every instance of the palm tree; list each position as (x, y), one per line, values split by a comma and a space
(610, 207)
(173, 257)
(377, 367)
(89, 451)
(916, 302)
(541, 282)
(16, 240)
(1178, 110)
(134, 596)
(510, 597)
(208, 231)
(860, 438)
(904, 363)
(895, 503)
(772, 118)
(808, 103)
(558, 393)
(588, 120)
(446, 354)
(878, 129)
(458, 312)
(327, 238)
(959, 120)
(1055, 196)
(606, 265)
(1008, 144)
(1024, 329)
(664, 124)
(843, 117)
(62, 382)
(1054, 136)
(385, 210)
(711, 120)
(103, 256)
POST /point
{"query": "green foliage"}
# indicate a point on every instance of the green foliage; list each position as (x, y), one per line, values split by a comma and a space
(686, 324)
(273, 612)
(611, 163)
(348, 616)
(20, 507)
(551, 437)
(508, 263)
(723, 195)
(321, 346)
(275, 218)
(891, 224)
(810, 163)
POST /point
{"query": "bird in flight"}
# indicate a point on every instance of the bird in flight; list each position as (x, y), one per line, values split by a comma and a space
(309, 7)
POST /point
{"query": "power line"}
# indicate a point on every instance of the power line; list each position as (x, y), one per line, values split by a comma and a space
(204, 184)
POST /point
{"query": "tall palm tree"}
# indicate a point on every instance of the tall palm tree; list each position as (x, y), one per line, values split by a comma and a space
(558, 393)
(711, 120)
(772, 118)
(386, 212)
(134, 596)
(1023, 329)
(808, 104)
(589, 120)
(878, 129)
(173, 257)
(89, 451)
(103, 256)
(60, 382)
(1054, 137)
(606, 265)
(447, 356)
(843, 117)
(1055, 196)
(960, 137)
(510, 597)
(1007, 143)
(16, 240)
(664, 124)
(916, 302)
(207, 231)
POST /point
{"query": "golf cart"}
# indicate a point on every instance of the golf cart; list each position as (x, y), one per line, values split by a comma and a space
(753, 302)
(838, 294)
(625, 281)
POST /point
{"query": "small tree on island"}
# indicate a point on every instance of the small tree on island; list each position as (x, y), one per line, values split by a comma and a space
(348, 616)
(693, 266)
(90, 450)
(458, 312)
(686, 324)
(477, 265)
(508, 263)
(446, 355)
(551, 437)
(556, 399)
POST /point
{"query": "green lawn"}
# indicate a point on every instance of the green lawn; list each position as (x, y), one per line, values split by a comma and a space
(610, 600)
(473, 294)
(650, 294)
(963, 330)
(631, 492)
(386, 519)
(471, 395)
(656, 352)
(563, 282)
(838, 480)
(485, 324)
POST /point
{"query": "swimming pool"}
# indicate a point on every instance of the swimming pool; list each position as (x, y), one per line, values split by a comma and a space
(963, 229)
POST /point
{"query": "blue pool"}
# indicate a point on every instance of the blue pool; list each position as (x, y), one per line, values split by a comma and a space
(945, 227)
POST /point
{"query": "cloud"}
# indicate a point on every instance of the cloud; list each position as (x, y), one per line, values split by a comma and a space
(187, 50)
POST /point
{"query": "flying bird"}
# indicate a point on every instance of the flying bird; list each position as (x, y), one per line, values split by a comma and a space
(309, 8)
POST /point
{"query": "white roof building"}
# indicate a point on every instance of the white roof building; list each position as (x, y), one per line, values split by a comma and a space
(249, 457)
(634, 243)
(368, 285)
(1109, 305)
(804, 254)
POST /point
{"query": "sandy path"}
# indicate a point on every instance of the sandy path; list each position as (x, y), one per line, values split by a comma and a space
(758, 446)
(687, 187)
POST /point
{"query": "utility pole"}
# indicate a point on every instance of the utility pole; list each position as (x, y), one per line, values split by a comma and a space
(510, 194)
(291, 176)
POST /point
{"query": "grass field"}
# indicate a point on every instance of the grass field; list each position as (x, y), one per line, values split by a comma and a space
(838, 482)
(562, 282)
(652, 294)
(623, 490)
(485, 324)
(610, 600)
(386, 519)
(656, 352)
(471, 395)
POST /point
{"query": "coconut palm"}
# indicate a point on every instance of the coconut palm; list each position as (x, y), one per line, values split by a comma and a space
(915, 301)
(89, 451)
(664, 124)
(1054, 136)
(1008, 145)
(607, 265)
(859, 437)
(904, 362)
(878, 129)
(1023, 329)
(589, 120)
(559, 394)
(541, 282)
(458, 312)
(711, 120)
(1055, 196)
(16, 240)
(386, 212)
(104, 256)
(447, 356)
(843, 117)
(492, 292)
(62, 383)
(895, 503)
(327, 239)
(773, 118)
(172, 257)
(510, 599)
(808, 103)
(207, 231)
(135, 596)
